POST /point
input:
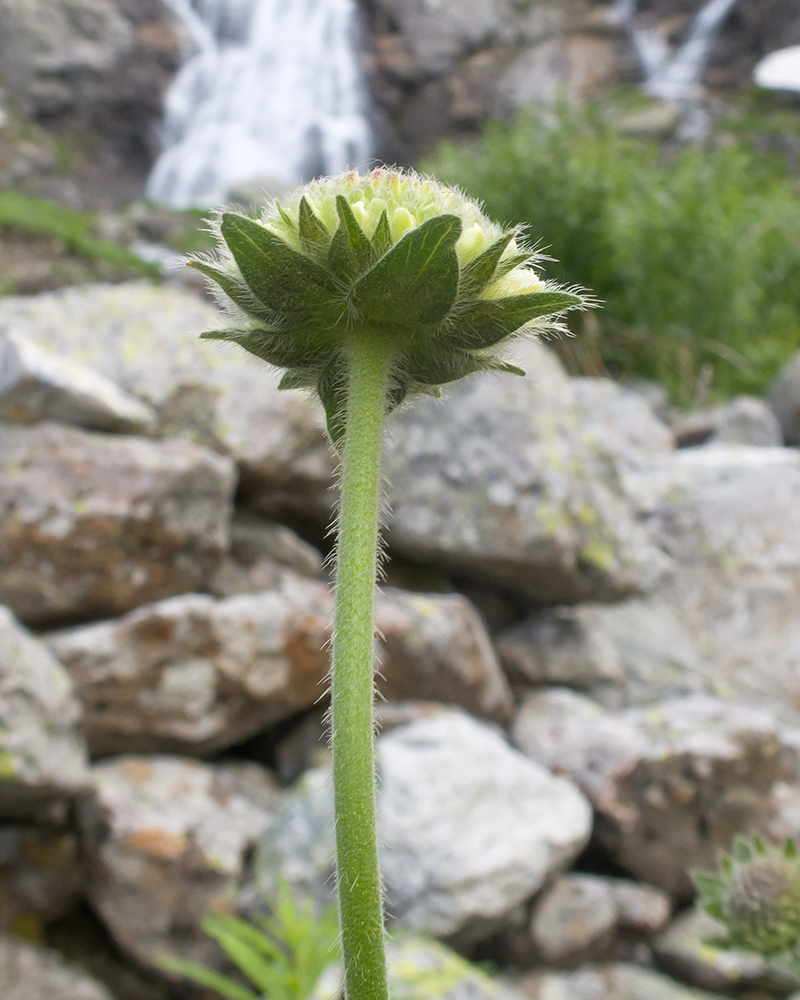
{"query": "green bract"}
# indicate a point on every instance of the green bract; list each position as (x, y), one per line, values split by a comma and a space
(756, 895)
(389, 255)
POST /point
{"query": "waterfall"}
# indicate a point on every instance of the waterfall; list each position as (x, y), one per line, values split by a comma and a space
(271, 89)
(673, 76)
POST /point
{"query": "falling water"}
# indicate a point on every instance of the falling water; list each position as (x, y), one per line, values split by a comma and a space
(272, 90)
(674, 76)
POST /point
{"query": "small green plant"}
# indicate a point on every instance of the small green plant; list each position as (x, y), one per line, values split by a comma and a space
(282, 955)
(755, 894)
(49, 218)
(695, 252)
(369, 290)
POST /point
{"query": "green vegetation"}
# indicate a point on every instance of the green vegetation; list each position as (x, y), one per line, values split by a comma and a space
(755, 895)
(695, 253)
(42, 217)
(282, 955)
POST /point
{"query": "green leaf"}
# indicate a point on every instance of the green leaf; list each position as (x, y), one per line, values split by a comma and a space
(485, 323)
(314, 237)
(417, 280)
(396, 393)
(790, 848)
(709, 886)
(440, 368)
(299, 378)
(285, 281)
(332, 391)
(503, 367)
(284, 349)
(382, 237)
(741, 849)
(350, 252)
(205, 977)
(479, 272)
(237, 291)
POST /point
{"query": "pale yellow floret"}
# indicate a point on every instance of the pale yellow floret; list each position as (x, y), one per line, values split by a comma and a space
(520, 281)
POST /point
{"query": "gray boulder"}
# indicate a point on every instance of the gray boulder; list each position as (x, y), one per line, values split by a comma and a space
(608, 982)
(727, 516)
(509, 483)
(671, 783)
(586, 917)
(630, 653)
(145, 339)
(31, 973)
(94, 525)
(784, 397)
(43, 761)
(36, 386)
(194, 674)
(167, 840)
(745, 420)
(468, 829)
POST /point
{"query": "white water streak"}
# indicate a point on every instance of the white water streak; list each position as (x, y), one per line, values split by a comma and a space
(674, 76)
(272, 90)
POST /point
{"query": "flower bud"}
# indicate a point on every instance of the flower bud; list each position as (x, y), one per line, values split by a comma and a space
(387, 254)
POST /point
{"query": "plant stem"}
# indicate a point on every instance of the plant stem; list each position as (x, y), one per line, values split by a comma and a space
(359, 884)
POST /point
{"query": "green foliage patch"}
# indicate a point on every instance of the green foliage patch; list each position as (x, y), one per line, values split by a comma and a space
(43, 217)
(695, 252)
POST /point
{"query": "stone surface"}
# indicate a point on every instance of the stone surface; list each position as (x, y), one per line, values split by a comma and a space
(608, 982)
(145, 339)
(630, 653)
(30, 973)
(506, 483)
(93, 525)
(683, 951)
(166, 841)
(42, 754)
(194, 675)
(727, 516)
(35, 386)
(671, 783)
(468, 829)
(41, 876)
(784, 398)
(580, 918)
(745, 420)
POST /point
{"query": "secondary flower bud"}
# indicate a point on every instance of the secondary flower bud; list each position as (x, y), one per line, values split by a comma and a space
(756, 895)
(387, 254)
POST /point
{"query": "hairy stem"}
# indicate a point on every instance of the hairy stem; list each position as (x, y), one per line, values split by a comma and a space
(358, 875)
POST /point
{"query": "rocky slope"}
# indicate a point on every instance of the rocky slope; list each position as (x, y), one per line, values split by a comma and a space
(588, 651)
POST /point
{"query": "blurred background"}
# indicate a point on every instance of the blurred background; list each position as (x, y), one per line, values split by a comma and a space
(656, 143)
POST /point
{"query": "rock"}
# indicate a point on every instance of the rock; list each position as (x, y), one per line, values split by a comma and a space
(166, 841)
(580, 918)
(145, 339)
(43, 763)
(631, 653)
(608, 982)
(30, 973)
(671, 783)
(259, 551)
(727, 517)
(92, 525)
(784, 398)
(745, 420)
(468, 829)
(684, 952)
(35, 386)
(508, 483)
(41, 876)
(435, 647)
(195, 675)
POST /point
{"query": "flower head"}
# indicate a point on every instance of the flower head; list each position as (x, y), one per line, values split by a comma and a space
(756, 895)
(387, 254)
